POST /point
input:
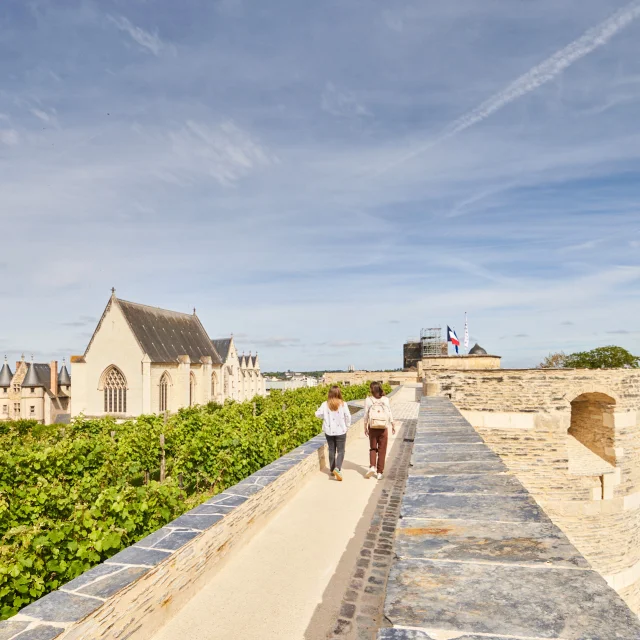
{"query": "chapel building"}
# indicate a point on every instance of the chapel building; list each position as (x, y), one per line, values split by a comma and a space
(35, 391)
(144, 359)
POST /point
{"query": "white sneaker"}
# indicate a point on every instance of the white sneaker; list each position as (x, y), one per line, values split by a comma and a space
(371, 472)
(379, 476)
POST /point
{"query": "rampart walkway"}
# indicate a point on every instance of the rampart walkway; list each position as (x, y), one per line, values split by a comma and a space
(290, 580)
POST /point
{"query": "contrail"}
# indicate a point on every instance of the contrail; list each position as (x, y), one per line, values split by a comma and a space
(541, 74)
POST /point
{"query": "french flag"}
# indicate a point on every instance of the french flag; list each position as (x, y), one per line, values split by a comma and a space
(452, 338)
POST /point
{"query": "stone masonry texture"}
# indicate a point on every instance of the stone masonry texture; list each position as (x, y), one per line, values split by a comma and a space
(539, 421)
(492, 572)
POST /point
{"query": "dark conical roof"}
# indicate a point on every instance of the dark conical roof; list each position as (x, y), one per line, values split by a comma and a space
(64, 379)
(5, 375)
(477, 350)
(31, 379)
(38, 375)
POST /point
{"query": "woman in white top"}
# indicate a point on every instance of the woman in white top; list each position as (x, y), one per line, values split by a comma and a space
(336, 419)
(377, 420)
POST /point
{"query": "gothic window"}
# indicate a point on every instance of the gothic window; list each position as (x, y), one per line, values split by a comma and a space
(192, 390)
(115, 391)
(32, 410)
(16, 388)
(16, 409)
(164, 393)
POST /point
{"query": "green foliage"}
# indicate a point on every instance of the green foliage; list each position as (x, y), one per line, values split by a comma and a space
(600, 358)
(603, 358)
(72, 496)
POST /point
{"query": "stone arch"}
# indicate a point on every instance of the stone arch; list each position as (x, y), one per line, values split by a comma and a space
(593, 423)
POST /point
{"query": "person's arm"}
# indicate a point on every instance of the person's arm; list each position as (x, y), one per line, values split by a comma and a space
(347, 414)
(320, 411)
(367, 406)
(393, 424)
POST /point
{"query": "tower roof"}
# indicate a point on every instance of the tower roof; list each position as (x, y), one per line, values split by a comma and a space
(64, 379)
(38, 375)
(5, 375)
(477, 350)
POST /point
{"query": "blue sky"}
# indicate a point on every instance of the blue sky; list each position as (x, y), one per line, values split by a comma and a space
(323, 179)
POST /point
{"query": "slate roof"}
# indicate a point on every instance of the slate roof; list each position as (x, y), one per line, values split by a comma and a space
(64, 379)
(5, 375)
(477, 350)
(222, 347)
(254, 359)
(165, 335)
(38, 375)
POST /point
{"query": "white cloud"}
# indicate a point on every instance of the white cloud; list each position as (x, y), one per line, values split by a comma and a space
(10, 137)
(42, 115)
(224, 152)
(147, 40)
(539, 75)
(342, 103)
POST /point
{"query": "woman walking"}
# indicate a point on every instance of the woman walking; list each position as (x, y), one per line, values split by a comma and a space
(377, 420)
(336, 419)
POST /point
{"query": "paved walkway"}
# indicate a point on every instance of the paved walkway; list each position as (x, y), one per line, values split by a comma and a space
(289, 581)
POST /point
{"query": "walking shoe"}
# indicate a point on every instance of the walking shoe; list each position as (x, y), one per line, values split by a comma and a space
(370, 473)
(379, 476)
(337, 474)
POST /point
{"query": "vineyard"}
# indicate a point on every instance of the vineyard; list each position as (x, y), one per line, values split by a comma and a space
(72, 497)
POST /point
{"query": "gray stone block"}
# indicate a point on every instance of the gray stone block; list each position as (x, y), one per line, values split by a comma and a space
(489, 508)
(472, 483)
(229, 500)
(59, 606)
(41, 632)
(198, 522)
(507, 600)
(403, 634)
(244, 490)
(176, 540)
(9, 628)
(139, 556)
(456, 468)
(473, 541)
(461, 453)
(112, 583)
(91, 575)
(445, 437)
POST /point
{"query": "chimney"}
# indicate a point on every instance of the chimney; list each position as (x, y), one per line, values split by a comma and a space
(54, 377)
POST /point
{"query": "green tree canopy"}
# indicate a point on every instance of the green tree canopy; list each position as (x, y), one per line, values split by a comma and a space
(610, 357)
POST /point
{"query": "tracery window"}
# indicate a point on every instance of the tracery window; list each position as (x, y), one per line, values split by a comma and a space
(214, 381)
(115, 391)
(164, 393)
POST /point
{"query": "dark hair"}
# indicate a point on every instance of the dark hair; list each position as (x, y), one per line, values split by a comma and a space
(376, 390)
(335, 398)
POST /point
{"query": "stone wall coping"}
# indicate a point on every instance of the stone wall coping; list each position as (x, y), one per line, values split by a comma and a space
(51, 615)
(477, 557)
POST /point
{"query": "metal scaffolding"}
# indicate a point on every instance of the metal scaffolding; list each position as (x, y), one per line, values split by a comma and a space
(431, 340)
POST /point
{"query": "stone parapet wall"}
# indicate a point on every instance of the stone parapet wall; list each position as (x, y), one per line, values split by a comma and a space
(526, 416)
(360, 377)
(476, 556)
(136, 591)
(461, 363)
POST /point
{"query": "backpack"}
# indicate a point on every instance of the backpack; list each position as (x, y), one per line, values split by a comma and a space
(378, 415)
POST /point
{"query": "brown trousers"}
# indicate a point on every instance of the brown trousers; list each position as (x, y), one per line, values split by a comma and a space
(378, 439)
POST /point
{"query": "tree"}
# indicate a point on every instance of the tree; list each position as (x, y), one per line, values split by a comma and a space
(602, 358)
(554, 361)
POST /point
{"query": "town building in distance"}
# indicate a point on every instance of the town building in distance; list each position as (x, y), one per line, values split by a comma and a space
(35, 391)
(144, 359)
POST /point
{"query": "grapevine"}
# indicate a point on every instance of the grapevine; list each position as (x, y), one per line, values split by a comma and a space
(73, 496)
